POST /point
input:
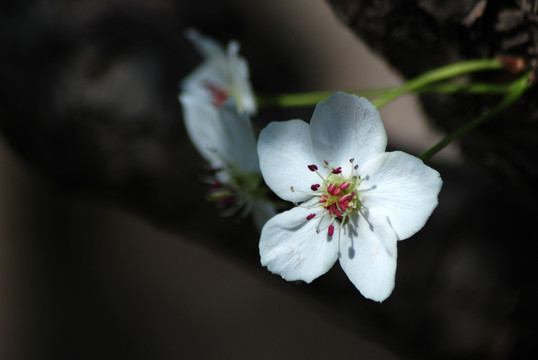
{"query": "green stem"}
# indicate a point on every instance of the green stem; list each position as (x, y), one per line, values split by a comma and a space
(470, 88)
(310, 98)
(435, 75)
(420, 84)
(517, 89)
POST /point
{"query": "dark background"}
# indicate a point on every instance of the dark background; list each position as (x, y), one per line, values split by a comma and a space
(109, 250)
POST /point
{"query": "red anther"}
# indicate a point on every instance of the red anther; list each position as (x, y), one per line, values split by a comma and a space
(330, 188)
(314, 187)
(331, 209)
(338, 170)
(323, 198)
(336, 212)
(310, 217)
(219, 95)
(336, 191)
(312, 167)
(352, 195)
(342, 206)
(330, 230)
(344, 185)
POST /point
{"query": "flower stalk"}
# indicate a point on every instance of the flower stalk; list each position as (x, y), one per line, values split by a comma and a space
(516, 90)
(425, 83)
(433, 76)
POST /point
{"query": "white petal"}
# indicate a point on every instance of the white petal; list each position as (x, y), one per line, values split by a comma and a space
(203, 126)
(240, 84)
(291, 247)
(206, 46)
(401, 192)
(368, 257)
(213, 70)
(239, 138)
(206, 74)
(262, 211)
(285, 151)
(222, 136)
(346, 127)
(225, 70)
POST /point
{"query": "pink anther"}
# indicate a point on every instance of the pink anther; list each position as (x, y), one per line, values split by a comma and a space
(338, 170)
(344, 185)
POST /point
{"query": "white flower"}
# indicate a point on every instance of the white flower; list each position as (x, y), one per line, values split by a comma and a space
(223, 75)
(356, 199)
(217, 100)
(225, 139)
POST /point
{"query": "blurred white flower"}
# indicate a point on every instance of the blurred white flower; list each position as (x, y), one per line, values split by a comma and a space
(217, 100)
(356, 200)
(226, 141)
(223, 74)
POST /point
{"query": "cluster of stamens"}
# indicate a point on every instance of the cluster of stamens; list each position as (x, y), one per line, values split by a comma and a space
(336, 203)
(336, 194)
(222, 194)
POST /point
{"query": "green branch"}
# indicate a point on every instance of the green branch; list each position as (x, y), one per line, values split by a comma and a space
(436, 75)
(421, 84)
(516, 90)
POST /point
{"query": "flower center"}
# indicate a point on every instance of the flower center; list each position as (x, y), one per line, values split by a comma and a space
(338, 196)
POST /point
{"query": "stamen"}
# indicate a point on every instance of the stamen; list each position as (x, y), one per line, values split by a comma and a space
(292, 189)
(344, 185)
(312, 167)
(315, 187)
(336, 191)
(338, 170)
(351, 160)
(331, 230)
(335, 211)
(310, 217)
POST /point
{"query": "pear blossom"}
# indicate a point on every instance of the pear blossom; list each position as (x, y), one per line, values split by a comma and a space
(354, 201)
(217, 100)
(225, 139)
(223, 74)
